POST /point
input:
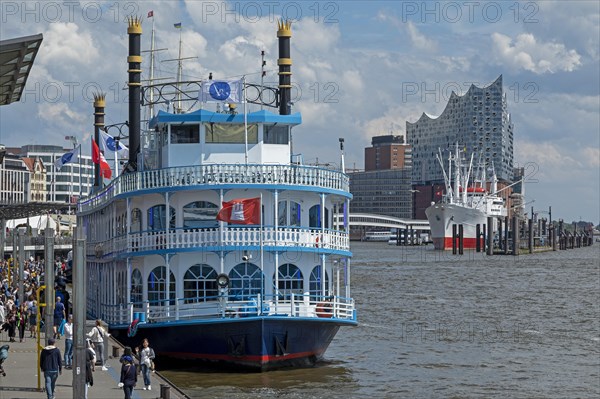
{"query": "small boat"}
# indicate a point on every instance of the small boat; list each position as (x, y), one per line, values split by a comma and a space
(378, 236)
(222, 251)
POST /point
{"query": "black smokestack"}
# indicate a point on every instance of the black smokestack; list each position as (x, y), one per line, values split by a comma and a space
(134, 30)
(99, 105)
(284, 33)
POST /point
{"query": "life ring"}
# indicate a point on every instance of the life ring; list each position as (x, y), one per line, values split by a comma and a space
(325, 310)
(132, 330)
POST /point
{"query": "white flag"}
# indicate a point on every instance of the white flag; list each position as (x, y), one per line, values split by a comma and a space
(221, 91)
(70, 156)
(110, 145)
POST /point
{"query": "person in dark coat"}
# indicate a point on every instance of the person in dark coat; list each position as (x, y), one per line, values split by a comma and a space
(51, 365)
(90, 360)
(128, 376)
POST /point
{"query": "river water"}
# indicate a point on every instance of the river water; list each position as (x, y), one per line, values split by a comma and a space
(436, 325)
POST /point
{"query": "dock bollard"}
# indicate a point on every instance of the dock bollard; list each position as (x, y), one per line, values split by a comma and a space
(165, 391)
(115, 352)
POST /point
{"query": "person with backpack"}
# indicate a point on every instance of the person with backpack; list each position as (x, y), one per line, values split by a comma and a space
(128, 376)
(98, 335)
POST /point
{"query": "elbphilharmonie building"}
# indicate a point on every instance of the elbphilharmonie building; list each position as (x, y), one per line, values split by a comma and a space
(478, 121)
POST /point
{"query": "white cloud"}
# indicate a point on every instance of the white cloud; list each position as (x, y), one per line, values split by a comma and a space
(527, 53)
(66, 44)
(419, 40)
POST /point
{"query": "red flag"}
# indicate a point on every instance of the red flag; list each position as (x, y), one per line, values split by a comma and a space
(241, 211)
(98, 158)
(150, 13)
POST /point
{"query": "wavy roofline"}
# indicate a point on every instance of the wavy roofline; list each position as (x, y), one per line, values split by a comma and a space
(452, 96)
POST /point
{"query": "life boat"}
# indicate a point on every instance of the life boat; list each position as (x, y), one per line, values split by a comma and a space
(325, 310)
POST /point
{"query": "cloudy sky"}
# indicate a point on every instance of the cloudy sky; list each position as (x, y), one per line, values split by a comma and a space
(361, 68)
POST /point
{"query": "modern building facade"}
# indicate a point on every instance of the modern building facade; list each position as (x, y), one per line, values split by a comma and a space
(14, 180)
(384, 188)
(478, 121)
(64, 185)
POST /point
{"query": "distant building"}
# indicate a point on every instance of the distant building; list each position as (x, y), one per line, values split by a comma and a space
(481, 125)
(384, 188)
(37, 179)
(62, 185)
(14, 179)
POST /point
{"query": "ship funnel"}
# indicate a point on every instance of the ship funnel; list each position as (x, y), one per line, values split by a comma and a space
(134, 30)
(99, 105)
(284, 33)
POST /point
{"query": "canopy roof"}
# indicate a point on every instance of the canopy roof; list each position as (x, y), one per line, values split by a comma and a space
(16, 59)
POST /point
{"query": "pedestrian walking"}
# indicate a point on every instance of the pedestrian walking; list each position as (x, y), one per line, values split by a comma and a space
(22, 321)
(128, 376)
(59, 316)
(90, 361)
(68, 329)
(32, 311)
(98, 335)
(51, 365)
(147, 356)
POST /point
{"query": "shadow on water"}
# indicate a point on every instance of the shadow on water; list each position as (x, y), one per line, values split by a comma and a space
(202, 383)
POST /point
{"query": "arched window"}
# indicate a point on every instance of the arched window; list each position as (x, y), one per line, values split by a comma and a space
(315, 284)
(288, 213)
(314, 217)
(136, 220)
(200, 284)
(290, 281)
(157, 283)
(246, 280)
(157, 217)
(136, 287)
(200, 215)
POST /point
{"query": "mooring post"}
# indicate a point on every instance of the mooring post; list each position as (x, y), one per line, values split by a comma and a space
(490, 235)
(530, 234)
(478, 235)
(453, 239)
(515, 231)
(500, 236)
(461, 244)
(506, 224)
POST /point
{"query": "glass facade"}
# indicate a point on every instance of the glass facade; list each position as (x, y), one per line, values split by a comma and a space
(478, 121)
(383, 192)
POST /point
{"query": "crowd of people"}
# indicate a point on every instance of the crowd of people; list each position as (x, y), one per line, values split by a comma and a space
(19, 316)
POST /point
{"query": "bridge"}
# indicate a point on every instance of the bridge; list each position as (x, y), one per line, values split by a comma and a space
(366, 220)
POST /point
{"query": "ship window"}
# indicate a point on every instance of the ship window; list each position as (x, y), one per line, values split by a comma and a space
(290, 281)
(157, 217)
(315, 285)
(136, 287)
(184, 134)
(275, 134)
(291, 218)
(200, 215)
(245, 281)
(230, 133)
(157, 283)
(200, 284)
(314, 217)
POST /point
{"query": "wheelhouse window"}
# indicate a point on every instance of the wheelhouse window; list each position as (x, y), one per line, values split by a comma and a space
(288, 213)
(200, 215)
(276, 134)
(200, 284)
(314, 217)
(230, 133)
(290, 280)
(157, 283)
(137, 287)
(157, 217)
(185, 134)
(315, 285)
(246, 281)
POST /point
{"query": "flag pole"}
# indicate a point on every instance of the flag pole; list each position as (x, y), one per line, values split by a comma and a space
(246, 127)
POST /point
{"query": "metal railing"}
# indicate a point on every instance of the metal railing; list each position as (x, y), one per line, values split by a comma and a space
(230, 306)
(215, 175)
(180, 238)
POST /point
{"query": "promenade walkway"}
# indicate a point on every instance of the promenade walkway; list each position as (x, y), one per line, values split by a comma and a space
(21, 381)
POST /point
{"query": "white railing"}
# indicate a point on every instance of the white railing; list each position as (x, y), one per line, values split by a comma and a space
(223, 307)
(174, 239)
(215, 175)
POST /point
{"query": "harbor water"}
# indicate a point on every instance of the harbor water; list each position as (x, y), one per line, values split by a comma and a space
(437, 325)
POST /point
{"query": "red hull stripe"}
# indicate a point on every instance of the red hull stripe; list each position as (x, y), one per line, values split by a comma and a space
(262, 359)
(468, 243)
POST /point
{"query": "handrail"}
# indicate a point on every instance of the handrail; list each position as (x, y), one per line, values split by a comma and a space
(215, 175)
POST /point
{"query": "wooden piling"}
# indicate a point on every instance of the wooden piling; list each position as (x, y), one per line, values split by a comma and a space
(490, 236)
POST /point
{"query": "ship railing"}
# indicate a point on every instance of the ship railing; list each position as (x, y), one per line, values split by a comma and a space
(231, 306)
(216, 175)
(183, 238)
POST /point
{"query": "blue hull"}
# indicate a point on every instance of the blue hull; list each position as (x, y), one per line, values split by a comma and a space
(253, 343)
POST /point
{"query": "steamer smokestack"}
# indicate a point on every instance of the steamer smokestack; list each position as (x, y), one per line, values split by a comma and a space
(134, 30)
(284, 33)
(99, 105)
